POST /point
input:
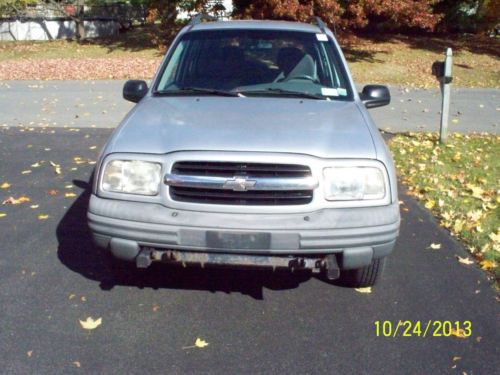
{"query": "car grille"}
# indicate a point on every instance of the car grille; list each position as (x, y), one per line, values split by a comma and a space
(230, 170)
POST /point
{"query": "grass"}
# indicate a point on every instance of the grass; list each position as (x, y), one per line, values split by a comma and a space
(387, 59)
(136, 42)
(407, 60)
(458, 182)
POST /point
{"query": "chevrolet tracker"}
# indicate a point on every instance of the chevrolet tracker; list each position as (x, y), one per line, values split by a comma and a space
(250, 148)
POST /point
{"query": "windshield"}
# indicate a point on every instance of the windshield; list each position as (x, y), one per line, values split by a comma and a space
(255, 63)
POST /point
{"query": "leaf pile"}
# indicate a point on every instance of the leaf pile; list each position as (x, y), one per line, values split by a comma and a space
(78, 68)
(459, 183)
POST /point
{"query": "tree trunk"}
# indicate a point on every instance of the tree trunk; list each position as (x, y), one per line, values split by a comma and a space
(80, 27)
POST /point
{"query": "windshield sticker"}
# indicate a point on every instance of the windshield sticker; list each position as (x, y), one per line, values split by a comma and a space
(322, 37)
(327, 91)
(342, 92)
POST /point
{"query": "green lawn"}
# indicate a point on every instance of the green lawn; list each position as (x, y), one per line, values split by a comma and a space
(459, 183)
(387, 59)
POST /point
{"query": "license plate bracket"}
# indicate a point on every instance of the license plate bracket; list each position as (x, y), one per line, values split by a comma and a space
(238, 240)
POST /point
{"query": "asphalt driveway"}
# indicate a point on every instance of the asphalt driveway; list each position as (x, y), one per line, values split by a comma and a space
(99, 104)
(255, 322)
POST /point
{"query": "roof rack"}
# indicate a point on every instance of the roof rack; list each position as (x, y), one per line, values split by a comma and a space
(322, 25)
(199, 18)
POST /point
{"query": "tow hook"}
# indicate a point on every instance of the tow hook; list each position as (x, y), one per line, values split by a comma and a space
(143, 259)
(331, 267)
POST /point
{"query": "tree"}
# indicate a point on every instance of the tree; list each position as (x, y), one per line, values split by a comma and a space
(351, 14)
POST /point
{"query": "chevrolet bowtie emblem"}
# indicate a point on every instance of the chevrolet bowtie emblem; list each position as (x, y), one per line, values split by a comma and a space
(239, 184)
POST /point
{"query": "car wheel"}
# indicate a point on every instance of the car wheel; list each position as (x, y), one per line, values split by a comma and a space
(363, 277)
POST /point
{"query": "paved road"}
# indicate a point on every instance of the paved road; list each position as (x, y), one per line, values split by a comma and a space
(99, 104)
(255, 322)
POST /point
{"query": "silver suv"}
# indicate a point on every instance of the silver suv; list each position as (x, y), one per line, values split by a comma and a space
(251, 148)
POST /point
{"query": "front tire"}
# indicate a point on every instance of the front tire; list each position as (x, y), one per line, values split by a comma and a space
(363, 277)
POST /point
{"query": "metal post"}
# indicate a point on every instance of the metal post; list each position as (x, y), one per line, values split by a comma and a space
(444, 83)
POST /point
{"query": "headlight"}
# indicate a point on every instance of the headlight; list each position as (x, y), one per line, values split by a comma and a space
(132, 177)
(353, 183)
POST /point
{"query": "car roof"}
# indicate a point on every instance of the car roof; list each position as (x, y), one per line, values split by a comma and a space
(257, 25)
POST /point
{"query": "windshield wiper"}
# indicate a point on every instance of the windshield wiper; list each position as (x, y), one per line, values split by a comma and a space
(298, 94)
(196, 90)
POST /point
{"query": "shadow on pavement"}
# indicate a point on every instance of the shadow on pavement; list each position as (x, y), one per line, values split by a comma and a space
(77, 252)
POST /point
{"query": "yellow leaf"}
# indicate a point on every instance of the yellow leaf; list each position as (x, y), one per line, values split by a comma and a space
(460, 333)
(474, 215)
(366, 290)
(455, 121)
(495, 237)
(435, 246)
(12, 200)
(77, 364)
(90, 323)
(467, 261)
(34, 206)
(26, 172)
(430, 204)
(2, 214)
(487, 264)
(92, 147)
(70, 195)
(5, 185)
(199, 343)
(36, 165)
(476, 191)
(57, 167)
(43, 217)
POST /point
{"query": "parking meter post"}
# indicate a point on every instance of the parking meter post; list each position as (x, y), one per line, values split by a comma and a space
(445, 82)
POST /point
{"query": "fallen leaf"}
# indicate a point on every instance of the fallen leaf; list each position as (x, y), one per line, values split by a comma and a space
(77, 364)
(70, 195)
(29, 353)
(199, 343)
(90, 323)
(366, 290)
(92, 147)
(467, 261)
(26, 172)
(460, 333)
(430, 204)
(12, 200)
(52, 192)
(71, 296)
(43, 217)
(34, 206)
(57, 167)
(5, 185)
(2, 214)
(478, 339)
(456, 359)
(487, 264)
(35, 165)
(435, 246)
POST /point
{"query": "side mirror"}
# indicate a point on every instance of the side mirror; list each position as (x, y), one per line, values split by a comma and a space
(134, 90)
(375, 96)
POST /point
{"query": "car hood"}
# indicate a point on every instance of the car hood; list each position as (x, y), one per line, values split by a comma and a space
(325, 129)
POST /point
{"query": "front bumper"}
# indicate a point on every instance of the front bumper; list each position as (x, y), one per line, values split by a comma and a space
(355, 235)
